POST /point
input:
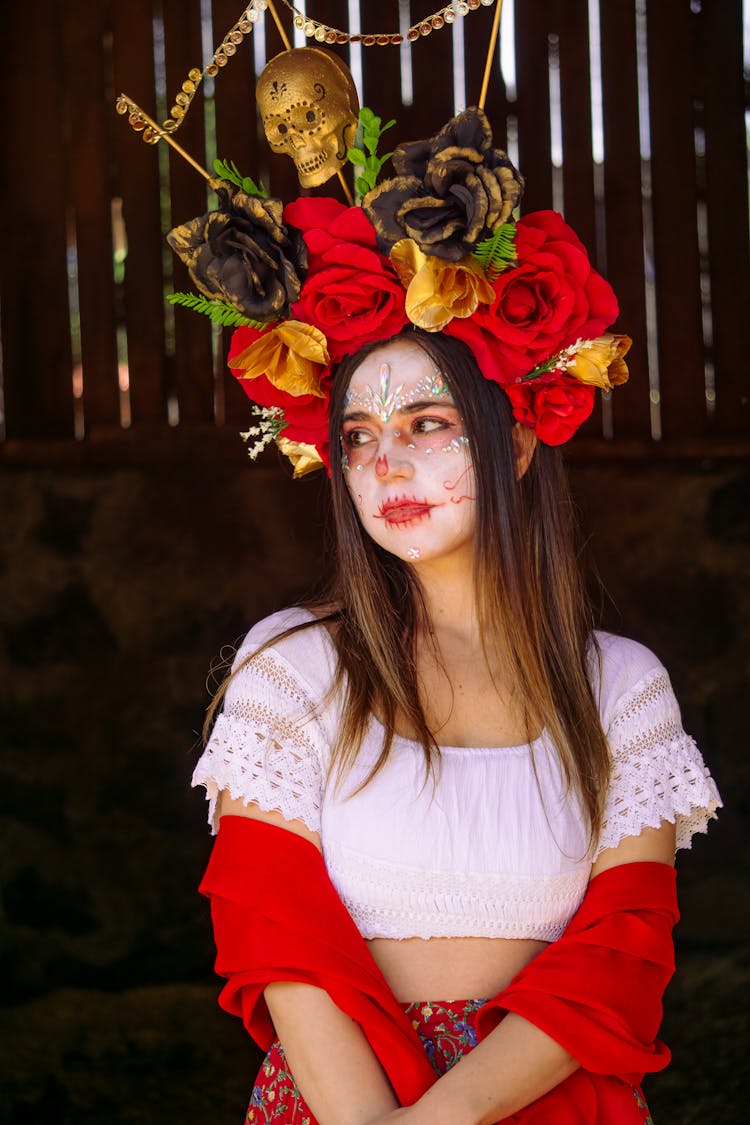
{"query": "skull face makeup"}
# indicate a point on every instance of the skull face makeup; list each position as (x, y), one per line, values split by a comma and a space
(406, 457)
(309, 108)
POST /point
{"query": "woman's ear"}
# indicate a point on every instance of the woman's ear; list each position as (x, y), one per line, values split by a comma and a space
(524, 443)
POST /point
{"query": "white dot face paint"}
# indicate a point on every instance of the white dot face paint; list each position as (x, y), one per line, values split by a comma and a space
(403, 435)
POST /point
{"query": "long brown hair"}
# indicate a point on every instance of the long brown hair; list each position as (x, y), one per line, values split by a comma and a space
(534, 615)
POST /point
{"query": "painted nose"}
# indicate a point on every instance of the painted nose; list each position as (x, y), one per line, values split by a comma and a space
(391, 464)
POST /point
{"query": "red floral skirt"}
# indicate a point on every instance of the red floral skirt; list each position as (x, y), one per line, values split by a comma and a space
(447, 1031)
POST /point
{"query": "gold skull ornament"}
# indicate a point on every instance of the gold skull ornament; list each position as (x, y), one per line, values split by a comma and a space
(309, 107)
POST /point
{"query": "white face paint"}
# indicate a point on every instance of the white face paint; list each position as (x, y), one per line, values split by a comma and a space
(406, 457)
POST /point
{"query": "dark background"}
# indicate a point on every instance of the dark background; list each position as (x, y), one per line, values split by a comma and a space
(133, 548)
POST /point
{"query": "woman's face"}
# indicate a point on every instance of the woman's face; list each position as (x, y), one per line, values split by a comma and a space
(406, 458)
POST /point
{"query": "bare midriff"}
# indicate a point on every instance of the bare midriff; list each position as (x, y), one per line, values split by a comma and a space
(451, 968)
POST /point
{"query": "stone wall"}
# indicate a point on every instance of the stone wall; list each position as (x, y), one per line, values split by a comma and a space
(120, 588)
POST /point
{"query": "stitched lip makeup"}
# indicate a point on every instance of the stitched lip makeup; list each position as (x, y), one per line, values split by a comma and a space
(401, 511)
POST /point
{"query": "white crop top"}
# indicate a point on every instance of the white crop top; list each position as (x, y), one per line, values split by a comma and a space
(492, 845)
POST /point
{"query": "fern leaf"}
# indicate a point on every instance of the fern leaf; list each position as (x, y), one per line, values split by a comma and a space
(218, 312)
(497, 252)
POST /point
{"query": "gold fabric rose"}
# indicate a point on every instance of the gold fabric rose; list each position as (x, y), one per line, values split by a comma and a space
(437, 290)
(292, 357)
(304, 457)
(600, 363)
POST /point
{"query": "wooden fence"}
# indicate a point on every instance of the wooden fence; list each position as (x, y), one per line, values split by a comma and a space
(627, 115)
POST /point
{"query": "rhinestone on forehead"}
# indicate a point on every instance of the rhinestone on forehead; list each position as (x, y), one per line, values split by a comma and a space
(386, 401)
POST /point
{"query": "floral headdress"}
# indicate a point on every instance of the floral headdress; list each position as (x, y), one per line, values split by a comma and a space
(311, 282)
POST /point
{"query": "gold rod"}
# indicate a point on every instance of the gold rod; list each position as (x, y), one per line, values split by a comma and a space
(162, 134)
(490, 53)
(345, 186)
(280, 26)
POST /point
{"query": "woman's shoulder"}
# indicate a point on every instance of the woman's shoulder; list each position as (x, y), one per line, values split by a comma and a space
(290, 632)
(296, 642)
(622, 669)
(658, 773)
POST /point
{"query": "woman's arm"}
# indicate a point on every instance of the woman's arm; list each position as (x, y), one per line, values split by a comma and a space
(517, 1062)
(336, 1071)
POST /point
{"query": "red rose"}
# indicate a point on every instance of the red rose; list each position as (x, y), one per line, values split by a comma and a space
(306, 415)
(546, 302)
(351, 292)
(552, 408)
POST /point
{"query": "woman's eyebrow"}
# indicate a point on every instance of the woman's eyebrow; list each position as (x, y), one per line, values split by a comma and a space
(410, 408)
(427, 403)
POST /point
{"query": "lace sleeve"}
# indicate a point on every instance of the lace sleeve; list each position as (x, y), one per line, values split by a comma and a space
(658, 772)
(268, 745)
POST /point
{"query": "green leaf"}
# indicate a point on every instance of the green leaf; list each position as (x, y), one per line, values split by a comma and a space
(497, 252)
(250, 187)
(219, 312)
(368, 137)
(228, 170)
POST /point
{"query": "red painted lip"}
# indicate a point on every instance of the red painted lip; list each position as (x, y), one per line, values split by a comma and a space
(404, 509)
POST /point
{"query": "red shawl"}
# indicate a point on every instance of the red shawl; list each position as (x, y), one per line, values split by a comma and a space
(597, 990)
(277, 916)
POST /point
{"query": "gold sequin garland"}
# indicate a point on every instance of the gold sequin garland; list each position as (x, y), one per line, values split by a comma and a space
(244, 26)
(443, 17)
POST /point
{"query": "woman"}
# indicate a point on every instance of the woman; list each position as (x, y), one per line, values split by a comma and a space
(496, 790)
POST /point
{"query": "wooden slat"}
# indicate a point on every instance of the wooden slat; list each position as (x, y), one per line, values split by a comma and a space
(477, 28)
(579, 206)
(681, 369)
(192, 368)
(575, 87)
(90, 116)
(532, 27)
(381, 78)
(432, 70)
(37, 364)
(624, 221)
(724, 100)
(137, 182)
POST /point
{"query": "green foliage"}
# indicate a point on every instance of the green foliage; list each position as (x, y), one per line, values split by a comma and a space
(364, 153)
(497, 252)
(227, 170)
(219, 312)
(550, 364)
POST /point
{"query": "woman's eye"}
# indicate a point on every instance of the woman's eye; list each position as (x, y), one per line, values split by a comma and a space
(353, 439)
(429, 425)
